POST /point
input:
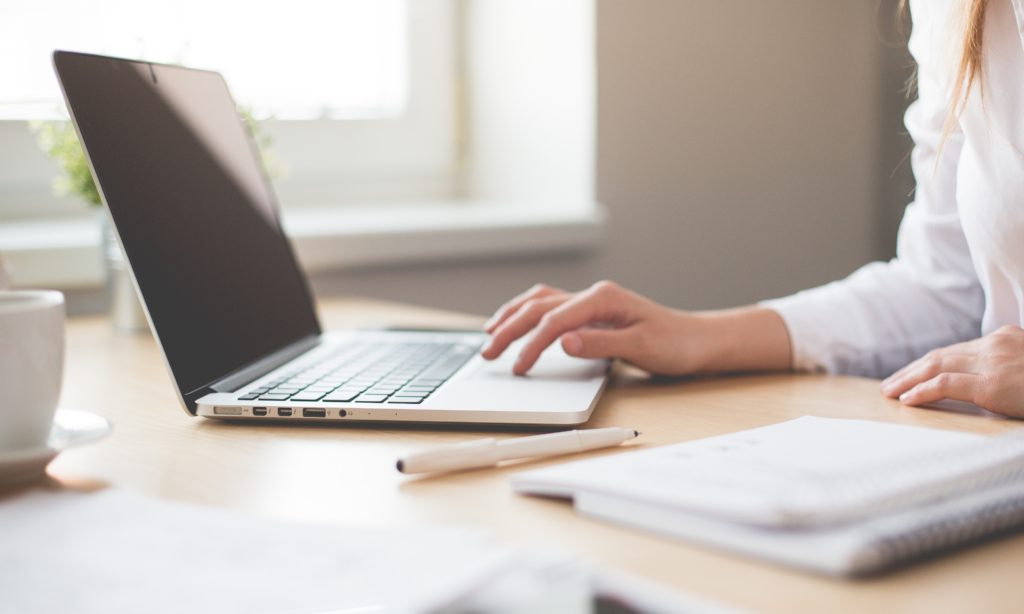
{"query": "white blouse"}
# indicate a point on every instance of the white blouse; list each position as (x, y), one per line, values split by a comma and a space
(959, 270)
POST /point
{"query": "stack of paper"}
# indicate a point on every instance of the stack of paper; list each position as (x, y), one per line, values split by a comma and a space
(838, 496)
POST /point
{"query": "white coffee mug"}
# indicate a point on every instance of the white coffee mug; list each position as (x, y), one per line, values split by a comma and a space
(31, 366)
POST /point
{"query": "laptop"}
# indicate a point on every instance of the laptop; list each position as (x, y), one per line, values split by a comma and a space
(224, 294)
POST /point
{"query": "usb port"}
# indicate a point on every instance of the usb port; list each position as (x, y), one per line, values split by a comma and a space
(314, 413)
(259, 411)
(284, 411)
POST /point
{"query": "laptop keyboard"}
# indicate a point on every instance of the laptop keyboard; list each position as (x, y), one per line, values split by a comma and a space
(404, 373)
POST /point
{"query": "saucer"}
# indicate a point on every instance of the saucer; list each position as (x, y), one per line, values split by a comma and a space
(71, 427)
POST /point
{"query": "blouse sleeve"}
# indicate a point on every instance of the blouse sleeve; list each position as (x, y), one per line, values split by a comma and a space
(886, 314)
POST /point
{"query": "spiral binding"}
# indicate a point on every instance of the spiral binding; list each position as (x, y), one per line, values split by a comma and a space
(944, 527)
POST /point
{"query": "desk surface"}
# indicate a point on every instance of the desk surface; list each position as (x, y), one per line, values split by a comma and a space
(346, 475)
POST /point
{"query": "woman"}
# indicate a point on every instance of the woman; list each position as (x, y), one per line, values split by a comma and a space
(942, 320)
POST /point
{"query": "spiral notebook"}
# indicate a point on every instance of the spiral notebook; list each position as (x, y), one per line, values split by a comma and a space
(842, 497)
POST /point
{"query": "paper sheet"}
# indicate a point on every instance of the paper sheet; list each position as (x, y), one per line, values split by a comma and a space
(749, 476)
(113, 552)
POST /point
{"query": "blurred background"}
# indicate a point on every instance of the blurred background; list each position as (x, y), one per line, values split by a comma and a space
(451, 153)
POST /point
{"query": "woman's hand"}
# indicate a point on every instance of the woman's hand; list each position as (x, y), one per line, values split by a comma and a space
(604, 321)
(988, 372)
(607, 321)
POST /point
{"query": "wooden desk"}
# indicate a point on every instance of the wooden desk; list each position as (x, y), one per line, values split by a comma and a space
(346, 475)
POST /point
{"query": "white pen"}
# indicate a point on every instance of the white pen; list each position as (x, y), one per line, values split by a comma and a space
(487, 452)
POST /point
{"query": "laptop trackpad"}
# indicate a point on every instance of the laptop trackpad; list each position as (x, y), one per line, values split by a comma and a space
(554, 365)
(557, 384)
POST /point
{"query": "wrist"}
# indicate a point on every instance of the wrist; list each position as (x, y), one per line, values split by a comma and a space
(745, 339)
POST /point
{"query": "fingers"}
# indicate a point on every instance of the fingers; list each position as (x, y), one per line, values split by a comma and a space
(926, 368)
(595, 305)
(509, 308)
(985, 371)
(600, 343)
(519, 323)
(966, 348)
(956, 386)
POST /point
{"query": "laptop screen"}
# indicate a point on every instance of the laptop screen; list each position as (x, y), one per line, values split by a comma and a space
(195, 214)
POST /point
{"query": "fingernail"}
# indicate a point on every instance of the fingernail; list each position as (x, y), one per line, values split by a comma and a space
(519, 364)
(905, 396)
(572, 343)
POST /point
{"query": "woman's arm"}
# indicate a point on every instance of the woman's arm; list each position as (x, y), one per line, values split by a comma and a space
(607, 321)
(879, 319)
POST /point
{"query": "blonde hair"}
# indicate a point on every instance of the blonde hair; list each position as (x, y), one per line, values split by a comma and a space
(971, 22)
(968, 69)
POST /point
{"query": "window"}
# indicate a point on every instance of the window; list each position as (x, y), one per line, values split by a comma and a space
(343, 85)
(340, 59)
(472, 121)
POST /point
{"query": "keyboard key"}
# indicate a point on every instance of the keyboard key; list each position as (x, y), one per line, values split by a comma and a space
(421, 381)
(421, 395)
(342, 396)
(308, 395)
(275, 396)
(444, 370)
(412, 393)
(406, 400)
(371, 398)
(369, 373)
(348, 394)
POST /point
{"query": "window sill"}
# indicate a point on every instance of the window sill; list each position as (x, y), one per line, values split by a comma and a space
(65, 253)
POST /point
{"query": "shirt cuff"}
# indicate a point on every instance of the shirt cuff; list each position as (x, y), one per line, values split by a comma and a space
(809, 347)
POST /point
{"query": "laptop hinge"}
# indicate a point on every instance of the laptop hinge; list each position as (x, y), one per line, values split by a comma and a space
(264, 365)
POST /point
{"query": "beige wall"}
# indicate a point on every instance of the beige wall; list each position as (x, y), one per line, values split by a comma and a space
(746, 149)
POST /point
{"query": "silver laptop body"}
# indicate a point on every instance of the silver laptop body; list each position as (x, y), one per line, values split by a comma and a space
(225, 297)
